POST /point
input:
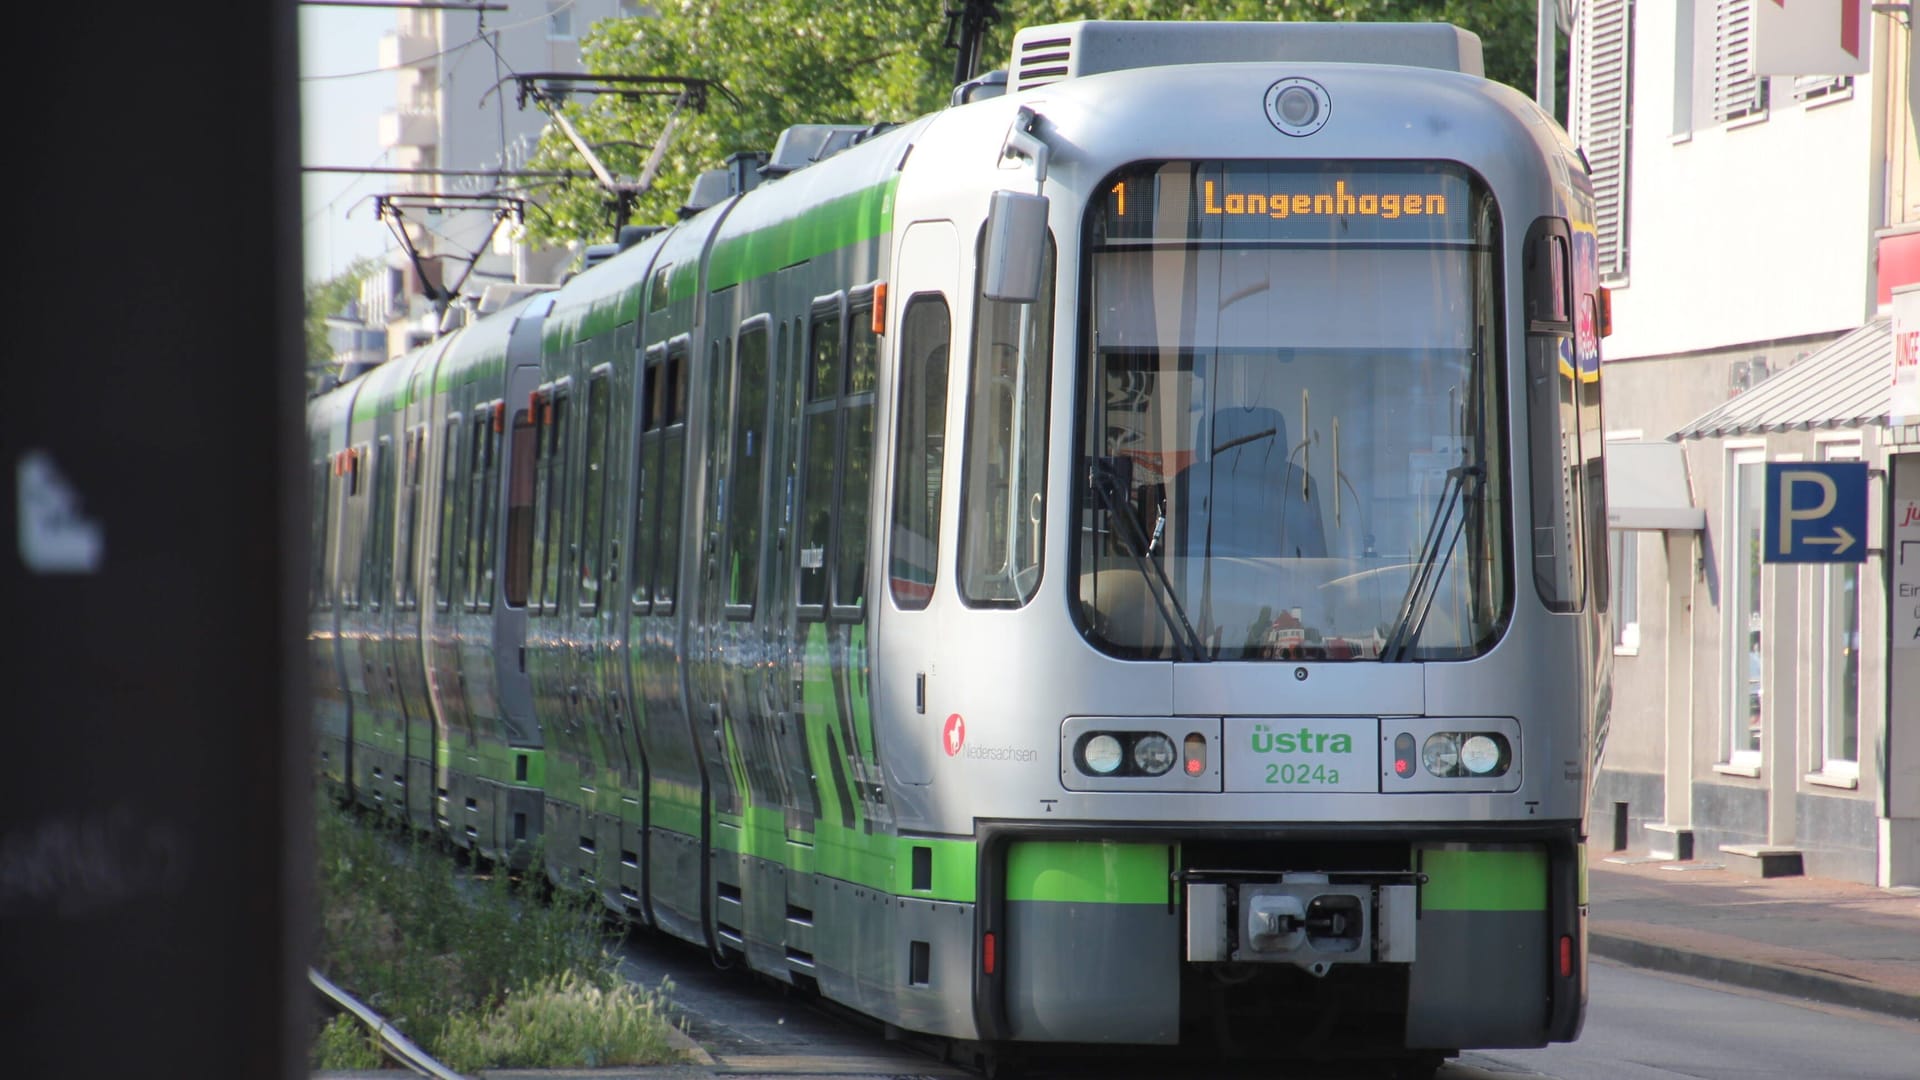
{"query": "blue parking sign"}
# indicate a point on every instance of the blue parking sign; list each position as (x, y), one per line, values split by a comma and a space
(1816, 512)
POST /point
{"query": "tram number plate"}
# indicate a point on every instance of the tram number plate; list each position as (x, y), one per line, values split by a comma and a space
(1328, 753)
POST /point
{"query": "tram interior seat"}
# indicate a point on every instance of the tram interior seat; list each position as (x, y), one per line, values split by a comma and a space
(1258, 502)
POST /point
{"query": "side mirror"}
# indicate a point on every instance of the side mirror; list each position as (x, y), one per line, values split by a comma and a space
(1015, 247)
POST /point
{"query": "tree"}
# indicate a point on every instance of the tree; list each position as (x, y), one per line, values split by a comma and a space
(798, 61)
(326, 298)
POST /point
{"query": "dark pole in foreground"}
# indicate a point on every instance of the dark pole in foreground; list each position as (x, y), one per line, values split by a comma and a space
(154, 852)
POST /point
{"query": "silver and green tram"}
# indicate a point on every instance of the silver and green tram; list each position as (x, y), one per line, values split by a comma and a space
(1117, 561)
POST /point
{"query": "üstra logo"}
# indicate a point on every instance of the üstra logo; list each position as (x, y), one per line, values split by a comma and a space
(1304, 741)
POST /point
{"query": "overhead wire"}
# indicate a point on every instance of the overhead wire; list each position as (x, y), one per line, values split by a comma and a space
(564, 5)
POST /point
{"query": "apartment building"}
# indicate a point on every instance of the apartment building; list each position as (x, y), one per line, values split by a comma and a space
(453, 113)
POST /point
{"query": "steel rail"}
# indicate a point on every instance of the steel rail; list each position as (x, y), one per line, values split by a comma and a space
(396, 1045)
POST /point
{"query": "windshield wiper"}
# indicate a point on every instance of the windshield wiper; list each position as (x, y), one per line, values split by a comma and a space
(1104, 481)
(1431, 566)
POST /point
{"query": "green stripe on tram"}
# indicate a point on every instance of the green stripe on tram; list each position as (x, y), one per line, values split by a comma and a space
(852, 218)
(1087, 872)
(1464, 879)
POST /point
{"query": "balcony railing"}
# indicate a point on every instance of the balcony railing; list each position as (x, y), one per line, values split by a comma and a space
(405, 48)
(411, 126)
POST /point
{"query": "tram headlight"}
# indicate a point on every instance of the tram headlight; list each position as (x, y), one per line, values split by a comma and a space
(1153, 754)
(1441, 754)
(1483, 755)
(1102, 754)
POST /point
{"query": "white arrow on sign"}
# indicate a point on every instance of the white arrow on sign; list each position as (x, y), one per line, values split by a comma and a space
(1840, 541)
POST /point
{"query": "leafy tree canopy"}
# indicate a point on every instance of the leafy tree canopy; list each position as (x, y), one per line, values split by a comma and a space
(326, 298)
(800, 61)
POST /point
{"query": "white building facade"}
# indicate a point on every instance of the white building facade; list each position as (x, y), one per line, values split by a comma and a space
(1753, 230)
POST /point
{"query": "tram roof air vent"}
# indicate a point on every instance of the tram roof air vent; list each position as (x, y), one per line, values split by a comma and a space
(803, 144)
(709, 188)
(1048, 54)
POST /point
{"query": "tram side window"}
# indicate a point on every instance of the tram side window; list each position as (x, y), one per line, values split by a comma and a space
(353, 534)
(410, 517)
(477, 525)
(745, 469)
(1553, 419)
(715, 436)
(449, 537)
(520, 492)
(856, 470)
(592, 530)
(647, 467)
(669, 491)
(373, 581)
(554, 506)
(1003, 482)
(657, 293)
(816, 482)
(1592, 445)
(913, 557)
(317, 599)
(385, 503)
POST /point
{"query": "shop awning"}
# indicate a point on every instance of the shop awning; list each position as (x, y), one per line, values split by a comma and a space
(1848, 384)
(1647, 488)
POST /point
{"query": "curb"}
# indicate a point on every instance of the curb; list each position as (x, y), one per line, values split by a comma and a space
(683, 1042)
(1754, 975)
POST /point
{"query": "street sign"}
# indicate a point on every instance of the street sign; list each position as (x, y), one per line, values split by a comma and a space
(1816, 512)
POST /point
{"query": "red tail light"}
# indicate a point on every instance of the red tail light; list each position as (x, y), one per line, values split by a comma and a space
(986, 953)
(1404, 747)
(1566, 956)
(1196, 754)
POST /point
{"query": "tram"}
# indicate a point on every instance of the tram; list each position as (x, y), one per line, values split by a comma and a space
(1120, 560)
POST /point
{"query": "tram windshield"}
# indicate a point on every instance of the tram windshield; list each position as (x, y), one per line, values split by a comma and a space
(1290, 401)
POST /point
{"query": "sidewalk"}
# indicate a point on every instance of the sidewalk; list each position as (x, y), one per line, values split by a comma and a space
(1831, 941)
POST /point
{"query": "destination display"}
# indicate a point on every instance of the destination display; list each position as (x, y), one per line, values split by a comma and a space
(1286, 201)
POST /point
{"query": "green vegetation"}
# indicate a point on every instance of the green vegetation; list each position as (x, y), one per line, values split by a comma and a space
(326, 298)
(345, 1045)
(564, 1019)
(477, 970)
(797, 61)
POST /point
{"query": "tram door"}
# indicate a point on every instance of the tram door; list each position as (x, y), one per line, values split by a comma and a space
(914, 730)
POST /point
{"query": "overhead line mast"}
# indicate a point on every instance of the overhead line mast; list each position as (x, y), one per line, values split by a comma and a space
(967, 32)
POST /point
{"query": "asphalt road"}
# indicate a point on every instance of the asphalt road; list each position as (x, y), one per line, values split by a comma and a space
(1640, 1026)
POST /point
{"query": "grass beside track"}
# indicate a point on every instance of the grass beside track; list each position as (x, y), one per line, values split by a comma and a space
(475, 968)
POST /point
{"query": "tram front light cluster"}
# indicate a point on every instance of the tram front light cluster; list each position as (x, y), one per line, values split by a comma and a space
(1455, 754)
(1138, 753)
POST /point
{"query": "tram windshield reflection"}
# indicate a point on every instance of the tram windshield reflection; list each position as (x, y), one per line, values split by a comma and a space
(1284, 410)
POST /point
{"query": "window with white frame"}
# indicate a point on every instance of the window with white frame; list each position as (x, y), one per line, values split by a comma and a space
(560, 18)
(1815, 89)
(1839, 655)
(1683, 65)
(1625, 555)
(1601, 117)
(1623, 564)
(1746, 658)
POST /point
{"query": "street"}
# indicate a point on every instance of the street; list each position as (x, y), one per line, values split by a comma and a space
(1640, 1026)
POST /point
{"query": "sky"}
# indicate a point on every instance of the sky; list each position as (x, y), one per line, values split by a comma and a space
(340, 125)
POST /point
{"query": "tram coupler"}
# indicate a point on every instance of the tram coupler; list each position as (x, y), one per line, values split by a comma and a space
(1303, 919)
